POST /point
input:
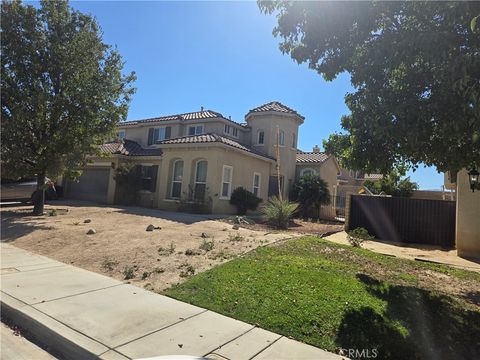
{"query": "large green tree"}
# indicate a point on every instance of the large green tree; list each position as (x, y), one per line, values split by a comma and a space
(311, 192)
(415, 69)
(63, 90)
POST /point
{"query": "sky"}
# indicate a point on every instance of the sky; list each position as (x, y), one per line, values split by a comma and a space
(222, 56)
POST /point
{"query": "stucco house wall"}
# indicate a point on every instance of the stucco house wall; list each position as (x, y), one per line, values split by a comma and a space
(468, 216)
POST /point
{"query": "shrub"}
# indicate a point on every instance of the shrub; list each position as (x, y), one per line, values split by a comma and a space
(129, 272)
(207, 245)
(244, 200)
(235, 238)
(357, 236)
(311, 192)
(279, 212)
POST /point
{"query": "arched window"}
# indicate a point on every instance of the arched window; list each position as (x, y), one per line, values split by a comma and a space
(261, 137)
(177, 177)
(281, 138)
(307, 171)
(200, 180)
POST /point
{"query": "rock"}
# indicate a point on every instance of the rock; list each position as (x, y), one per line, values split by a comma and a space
(235, 227)
(91, 232)
(87, 221)
(204, 235)
(150, 227)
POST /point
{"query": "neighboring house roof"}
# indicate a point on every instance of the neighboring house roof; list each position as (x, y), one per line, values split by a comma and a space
(196, 115)
(211, 138)
(275, 106)
(311, 157)
(373, 176)
(128, 148)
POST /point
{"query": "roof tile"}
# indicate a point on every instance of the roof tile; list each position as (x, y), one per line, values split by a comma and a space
(311, 157)
(275, 106)
(128, 148)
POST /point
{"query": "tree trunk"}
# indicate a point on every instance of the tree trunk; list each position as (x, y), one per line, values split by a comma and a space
(38, 198)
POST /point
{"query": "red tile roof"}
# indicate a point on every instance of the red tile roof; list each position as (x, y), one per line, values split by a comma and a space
(311, 157)
(211, 138)
(275, 106)
(128, 148)
(196, 115)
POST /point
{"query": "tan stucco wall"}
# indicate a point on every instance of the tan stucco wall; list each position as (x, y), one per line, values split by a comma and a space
(243, 168)
(468, 218)
(268, 123)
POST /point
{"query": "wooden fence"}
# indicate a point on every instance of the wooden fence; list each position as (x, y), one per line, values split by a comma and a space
(404, 219)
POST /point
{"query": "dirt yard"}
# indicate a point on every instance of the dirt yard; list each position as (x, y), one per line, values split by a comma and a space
(180, 246)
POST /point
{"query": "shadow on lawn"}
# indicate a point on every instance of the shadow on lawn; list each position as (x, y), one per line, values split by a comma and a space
(417, 324)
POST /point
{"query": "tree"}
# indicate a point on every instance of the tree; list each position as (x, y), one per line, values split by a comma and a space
(392, 184)
(63, 91)
(311, 192)
(244, 200)
(415, 68)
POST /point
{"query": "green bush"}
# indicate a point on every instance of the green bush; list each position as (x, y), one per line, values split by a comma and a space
(244, 200)
(311, 191)
(279, 212)
(358, 235)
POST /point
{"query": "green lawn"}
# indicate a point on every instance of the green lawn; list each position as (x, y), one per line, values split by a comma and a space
(334, 296)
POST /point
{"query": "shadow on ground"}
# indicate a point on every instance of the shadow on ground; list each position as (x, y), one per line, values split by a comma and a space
(16, 224)
(417, 324)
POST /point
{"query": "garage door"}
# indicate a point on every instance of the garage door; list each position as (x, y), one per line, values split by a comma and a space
(92, 186)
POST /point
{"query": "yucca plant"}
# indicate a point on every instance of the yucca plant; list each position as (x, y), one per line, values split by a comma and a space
(279, 212)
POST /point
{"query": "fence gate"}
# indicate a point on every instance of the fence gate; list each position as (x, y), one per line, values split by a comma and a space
(404, 219)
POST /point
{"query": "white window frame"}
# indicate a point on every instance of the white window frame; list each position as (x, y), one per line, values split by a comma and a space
(195, 182)
(235, 132)
(259, 184)
(121, 132)
(164, 128)
(176, 181)
(196, 126)
(222, 197)
(226, 129)
(258, 137)
(302, 172)
(281, 138)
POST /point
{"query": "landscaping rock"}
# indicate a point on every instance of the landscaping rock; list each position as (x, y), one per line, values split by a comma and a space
(150, 227)
(204, 235)
(235, 227)
(87, 221)
(91, 232)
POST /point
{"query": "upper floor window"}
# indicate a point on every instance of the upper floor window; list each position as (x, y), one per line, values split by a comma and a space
(226, 189)
(200, 180)
(261, 138)
(195, 130)
(159, 134)
(227, 129)
(294, 141)
(307, 172)
(281, 137)
(177, 177)
(235, 132)
(121, 134)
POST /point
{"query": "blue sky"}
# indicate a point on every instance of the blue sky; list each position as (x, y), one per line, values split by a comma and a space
(223, 56)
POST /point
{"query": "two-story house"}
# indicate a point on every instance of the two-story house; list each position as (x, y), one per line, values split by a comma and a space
(199, 155)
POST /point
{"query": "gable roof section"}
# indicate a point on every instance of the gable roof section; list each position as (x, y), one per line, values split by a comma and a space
(196, 115)
(128, 148)
(212, 138)
(311, 157)
(275, 106)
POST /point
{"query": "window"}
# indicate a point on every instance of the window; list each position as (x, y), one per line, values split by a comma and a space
(226, 189)
(121, 134)
(200, 180)
(307, 172)
(148, 177)
(261, 138)
(235, 132)
(256, 184)
(177, 176)
(294, 142)
(281, 137)
(226, 129)
(195, 130)
(162, 133)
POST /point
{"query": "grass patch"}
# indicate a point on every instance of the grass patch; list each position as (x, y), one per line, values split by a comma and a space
(334, 296)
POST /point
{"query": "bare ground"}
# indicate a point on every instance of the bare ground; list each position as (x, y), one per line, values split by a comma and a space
(122, 247)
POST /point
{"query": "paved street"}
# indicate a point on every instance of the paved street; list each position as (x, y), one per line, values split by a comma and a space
(87, 315)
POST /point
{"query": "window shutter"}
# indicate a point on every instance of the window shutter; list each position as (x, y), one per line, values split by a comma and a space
(168, 132)
(153, 184)
(150, 136)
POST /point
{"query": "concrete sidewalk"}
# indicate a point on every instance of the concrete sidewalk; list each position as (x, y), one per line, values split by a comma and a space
(84, 315)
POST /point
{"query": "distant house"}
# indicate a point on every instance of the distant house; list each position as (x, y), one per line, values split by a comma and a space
(203, 156)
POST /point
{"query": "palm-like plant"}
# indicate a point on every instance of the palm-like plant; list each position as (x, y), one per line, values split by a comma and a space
(279, 212)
